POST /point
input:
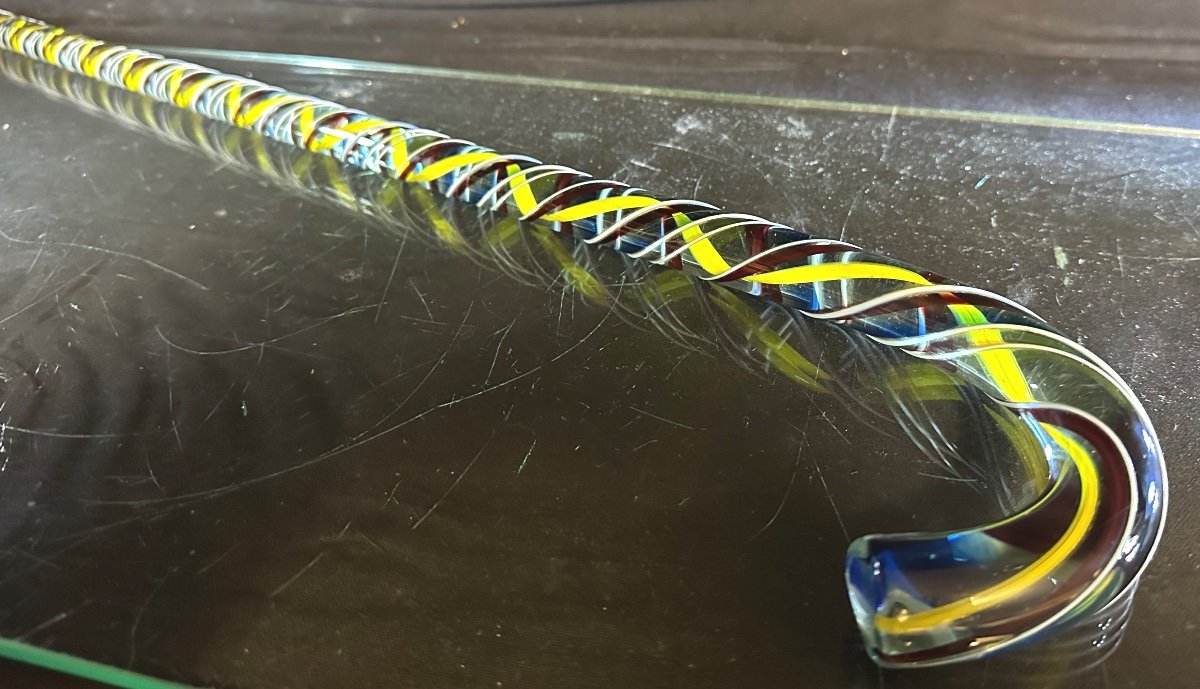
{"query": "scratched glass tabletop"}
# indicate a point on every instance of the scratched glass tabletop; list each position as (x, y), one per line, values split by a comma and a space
(265, 424)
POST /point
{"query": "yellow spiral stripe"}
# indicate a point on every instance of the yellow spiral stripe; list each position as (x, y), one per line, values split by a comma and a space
(447, 165)
(1039, 569)
(589, 209)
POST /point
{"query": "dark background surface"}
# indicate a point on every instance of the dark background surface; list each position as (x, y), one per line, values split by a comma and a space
(708, 557)
(1084, 58)
(1152, 30)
